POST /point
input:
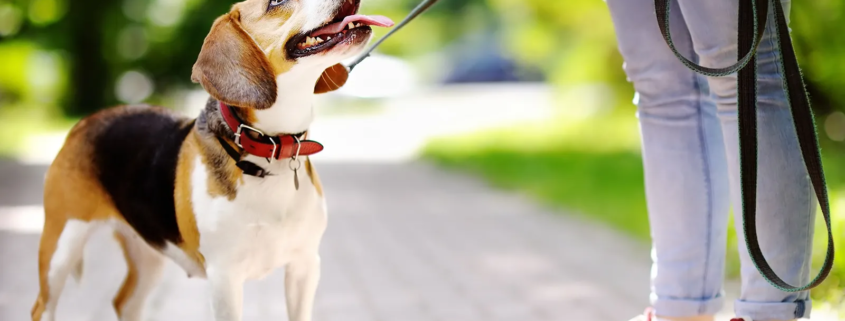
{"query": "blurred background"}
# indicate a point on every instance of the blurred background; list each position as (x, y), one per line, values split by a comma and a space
(504, 112)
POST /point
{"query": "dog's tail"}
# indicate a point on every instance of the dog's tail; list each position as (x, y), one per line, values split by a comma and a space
(76, 273)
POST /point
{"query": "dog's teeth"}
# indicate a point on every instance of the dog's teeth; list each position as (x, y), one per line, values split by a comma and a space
(320, 40)
(357, 25)
(328, 37)
(351, 25)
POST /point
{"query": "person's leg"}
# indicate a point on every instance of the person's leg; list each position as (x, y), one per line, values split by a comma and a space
(685, 165)
(786, 203)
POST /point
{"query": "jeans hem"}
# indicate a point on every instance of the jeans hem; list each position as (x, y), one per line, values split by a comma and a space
(773, 310)
(680, 308)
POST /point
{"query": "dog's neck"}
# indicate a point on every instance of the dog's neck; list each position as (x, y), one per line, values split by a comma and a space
(293, 110)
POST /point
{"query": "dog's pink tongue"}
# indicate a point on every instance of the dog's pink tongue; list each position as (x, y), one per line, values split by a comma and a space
(378, 21)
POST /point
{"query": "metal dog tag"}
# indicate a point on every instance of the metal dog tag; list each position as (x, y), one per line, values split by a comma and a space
(294, 164)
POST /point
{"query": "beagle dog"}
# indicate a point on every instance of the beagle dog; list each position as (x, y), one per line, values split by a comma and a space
(228, 196)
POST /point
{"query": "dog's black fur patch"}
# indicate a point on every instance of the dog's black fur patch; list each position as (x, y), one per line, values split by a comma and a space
(136, 154)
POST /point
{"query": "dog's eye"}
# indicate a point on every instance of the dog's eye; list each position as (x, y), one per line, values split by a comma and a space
(276, 3)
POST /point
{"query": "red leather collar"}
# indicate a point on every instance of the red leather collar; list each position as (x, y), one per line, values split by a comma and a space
(277, 147)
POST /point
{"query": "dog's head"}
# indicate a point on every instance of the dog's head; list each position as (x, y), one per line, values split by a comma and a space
(259, 41)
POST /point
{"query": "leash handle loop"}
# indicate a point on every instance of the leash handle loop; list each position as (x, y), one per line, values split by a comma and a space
(759, 8)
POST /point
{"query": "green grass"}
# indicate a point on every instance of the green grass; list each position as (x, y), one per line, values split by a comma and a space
(593, 168)
(579, 166)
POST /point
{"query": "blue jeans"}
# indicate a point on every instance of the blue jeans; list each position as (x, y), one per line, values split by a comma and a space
(688, 125)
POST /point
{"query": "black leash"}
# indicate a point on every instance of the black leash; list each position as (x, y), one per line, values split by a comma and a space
(422, 7)
(752, 23)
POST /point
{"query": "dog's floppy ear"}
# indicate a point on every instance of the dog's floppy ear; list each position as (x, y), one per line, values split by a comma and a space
(232, 68)
(332, 79)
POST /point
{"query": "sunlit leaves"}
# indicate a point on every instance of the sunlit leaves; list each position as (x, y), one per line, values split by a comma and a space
(44, 12)
(11, 19)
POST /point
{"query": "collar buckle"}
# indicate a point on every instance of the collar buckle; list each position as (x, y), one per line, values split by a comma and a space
(240, 132)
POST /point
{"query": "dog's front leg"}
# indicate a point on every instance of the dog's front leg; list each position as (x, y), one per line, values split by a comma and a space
(227, 288)
(301, 278)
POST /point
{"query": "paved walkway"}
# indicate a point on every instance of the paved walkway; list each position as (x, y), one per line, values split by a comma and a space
(406, 242)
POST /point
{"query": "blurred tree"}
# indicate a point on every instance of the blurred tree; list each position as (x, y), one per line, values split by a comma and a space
(570, 42)
(816, 31)
(89, 72)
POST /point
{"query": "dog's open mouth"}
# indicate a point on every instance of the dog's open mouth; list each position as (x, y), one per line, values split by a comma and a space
(347, 26)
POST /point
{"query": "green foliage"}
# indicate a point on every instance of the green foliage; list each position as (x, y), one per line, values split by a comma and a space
(572, 42)
(817, 35)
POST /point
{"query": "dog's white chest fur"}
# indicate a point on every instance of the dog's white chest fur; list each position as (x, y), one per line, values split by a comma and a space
(268, 224)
